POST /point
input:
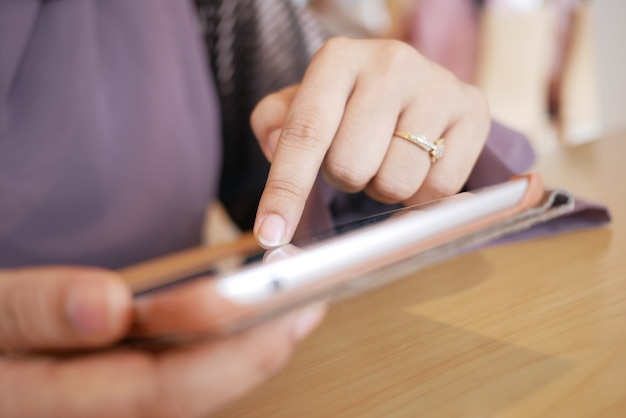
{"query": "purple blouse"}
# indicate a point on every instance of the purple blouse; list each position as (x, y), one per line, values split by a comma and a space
(109, 131)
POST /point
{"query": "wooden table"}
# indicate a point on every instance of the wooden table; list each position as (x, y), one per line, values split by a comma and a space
(522, 330)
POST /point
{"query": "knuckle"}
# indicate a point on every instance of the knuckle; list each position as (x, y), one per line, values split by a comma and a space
(475, 102)
(475, 110)
(285, 188)
(438, 187)
(477, 96)
(448, 77)
(449, 87)
(332, 50)
(351, 177)
(399, 52)
(392, 189)
(396, 56)
(335, 43)
(304, 131)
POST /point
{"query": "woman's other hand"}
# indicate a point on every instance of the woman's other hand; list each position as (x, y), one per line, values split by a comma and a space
(58, 329)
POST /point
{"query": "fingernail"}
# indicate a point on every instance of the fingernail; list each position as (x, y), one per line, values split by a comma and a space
(272, 231)
(279, 253)
(94, 308)
(87, 309)
(308, 320)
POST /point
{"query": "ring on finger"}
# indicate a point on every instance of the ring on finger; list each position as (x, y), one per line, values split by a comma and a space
(435, 149)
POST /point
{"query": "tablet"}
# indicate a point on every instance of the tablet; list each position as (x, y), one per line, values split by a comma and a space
(217, 291)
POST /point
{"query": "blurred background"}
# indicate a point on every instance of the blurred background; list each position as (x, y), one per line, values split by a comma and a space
(553, 69)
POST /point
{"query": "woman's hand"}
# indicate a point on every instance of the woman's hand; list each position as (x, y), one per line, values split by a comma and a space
(72, 309)
(342, 119)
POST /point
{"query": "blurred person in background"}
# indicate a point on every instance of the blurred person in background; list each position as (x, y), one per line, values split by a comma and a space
(120, 121)
(536, 66)
(445, 31)
(532, 58)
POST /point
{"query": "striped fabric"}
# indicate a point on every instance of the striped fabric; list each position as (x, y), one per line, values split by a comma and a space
(254, 47)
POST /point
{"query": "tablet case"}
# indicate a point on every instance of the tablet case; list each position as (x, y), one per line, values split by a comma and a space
(160, 285)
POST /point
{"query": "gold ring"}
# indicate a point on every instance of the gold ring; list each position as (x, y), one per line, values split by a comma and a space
(435, 149)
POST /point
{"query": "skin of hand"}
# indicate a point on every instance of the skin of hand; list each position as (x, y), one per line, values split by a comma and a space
(49, 316)
(341, 118)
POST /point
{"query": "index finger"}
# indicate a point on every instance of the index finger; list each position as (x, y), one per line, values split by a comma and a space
(310, 126)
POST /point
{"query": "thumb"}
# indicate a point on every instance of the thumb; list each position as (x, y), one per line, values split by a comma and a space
(61, 308)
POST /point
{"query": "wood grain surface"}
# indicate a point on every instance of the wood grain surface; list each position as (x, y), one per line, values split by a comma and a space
(529, 329)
